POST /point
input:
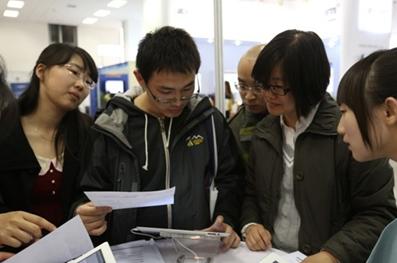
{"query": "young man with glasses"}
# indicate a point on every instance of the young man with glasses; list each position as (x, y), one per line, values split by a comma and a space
(253, 108)
(304, 190)
(167, 136)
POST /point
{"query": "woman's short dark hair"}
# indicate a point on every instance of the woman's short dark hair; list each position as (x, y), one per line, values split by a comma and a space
(169, 49)
(304, 65)
(367, 84)
(53, 55)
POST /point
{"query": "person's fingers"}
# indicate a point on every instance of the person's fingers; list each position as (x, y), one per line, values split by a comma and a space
(33, 229)
(99, 231)
(267, 238)
(5, 255)
(25, 222)
(217, 226)
(33, 225)
(92, 219)
(258, 238)
(44, 224)
(21, 227)
(236, 242)
(11, 241)
(252, 243)
(255, 241)
(22, 236)
(233, 240)
(94, 224)
(227, 242)
(90, 210)
(219, 220)
(265, 235)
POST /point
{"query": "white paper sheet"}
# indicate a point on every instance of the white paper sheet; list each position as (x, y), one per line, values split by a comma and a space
(66, 242)
(243, 254)
(295, 257)
(121, 200)
(274, 258)
(137, 251)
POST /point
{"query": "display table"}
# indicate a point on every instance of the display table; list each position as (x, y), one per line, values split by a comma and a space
(169, 251)
(238, 255)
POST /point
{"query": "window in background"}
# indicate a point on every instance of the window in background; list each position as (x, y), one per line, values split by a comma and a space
(63, 34)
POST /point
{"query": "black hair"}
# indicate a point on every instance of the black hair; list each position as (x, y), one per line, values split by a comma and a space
(169, 49)
(366, 85)
(5, 93)
(8, 106)
(304, 65)
(53, 55)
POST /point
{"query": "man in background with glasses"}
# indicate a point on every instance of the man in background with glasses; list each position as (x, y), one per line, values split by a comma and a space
(253, 108)
(167, 136)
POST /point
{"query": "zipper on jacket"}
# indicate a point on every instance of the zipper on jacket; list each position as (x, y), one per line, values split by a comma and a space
(167, 167)
(120, 175)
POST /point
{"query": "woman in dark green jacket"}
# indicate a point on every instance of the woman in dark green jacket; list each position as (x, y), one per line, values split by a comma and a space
(304, 190)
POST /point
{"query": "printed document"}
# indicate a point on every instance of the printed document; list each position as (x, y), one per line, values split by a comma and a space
(121, 200)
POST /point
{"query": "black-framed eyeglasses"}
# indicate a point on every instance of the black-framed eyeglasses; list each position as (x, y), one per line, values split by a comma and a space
(164, 100)
(257, 89)
(276, 89)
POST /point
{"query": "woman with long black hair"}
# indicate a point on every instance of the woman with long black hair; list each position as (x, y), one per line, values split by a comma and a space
(42, 159)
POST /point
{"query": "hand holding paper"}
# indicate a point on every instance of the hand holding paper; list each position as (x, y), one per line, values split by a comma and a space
(5, 255)
(93, 218)
(19, 227)
(66, 242)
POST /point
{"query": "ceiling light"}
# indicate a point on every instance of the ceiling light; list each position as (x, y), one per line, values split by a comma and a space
(117, 3)
(102, 13)
(15, 4)
(11, 13)
(90, 20)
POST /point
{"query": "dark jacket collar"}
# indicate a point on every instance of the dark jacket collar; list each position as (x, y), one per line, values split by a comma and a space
(327, 117)
(325, 122)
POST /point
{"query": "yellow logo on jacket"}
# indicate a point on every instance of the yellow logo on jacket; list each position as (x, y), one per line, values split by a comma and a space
(194, 140)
